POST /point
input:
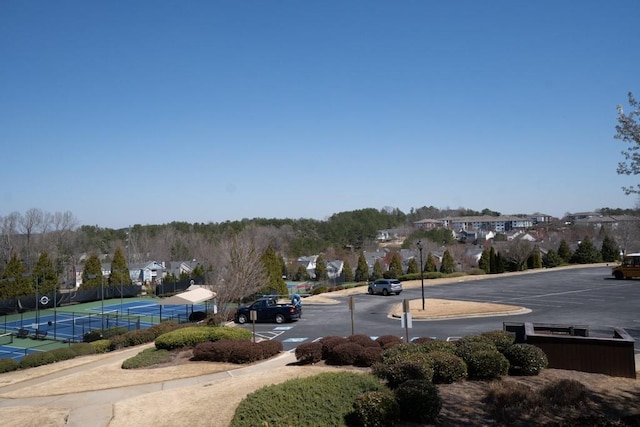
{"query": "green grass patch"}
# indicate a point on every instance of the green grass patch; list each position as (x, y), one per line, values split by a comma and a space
(320, 400)
(146, 358)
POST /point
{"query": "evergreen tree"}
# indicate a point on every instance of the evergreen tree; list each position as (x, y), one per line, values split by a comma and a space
(45, 272)
(448, 264)
(198, 271)
(362, 269)
(552, 259)
(586, 253)
(609, 251)
(499, 263)
(395, 267)
(301, 274)
(321, 269)
(92, 273)
(377, 271)
(347, 272)
(273, 266)
(14, 283)
(564, 251)
(484, 263)
(493, 265)
(430, 264)
(412, 266)
(119, 269)
(535, 258)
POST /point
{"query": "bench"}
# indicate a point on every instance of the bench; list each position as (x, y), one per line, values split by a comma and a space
(22, 333)
(40, 334)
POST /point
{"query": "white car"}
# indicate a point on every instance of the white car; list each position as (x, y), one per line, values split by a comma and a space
(385, 287)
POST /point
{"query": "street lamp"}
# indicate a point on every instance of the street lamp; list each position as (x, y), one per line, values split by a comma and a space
(419, 245)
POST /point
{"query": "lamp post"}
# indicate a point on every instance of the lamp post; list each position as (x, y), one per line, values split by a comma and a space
(419, 245)
(37, 299)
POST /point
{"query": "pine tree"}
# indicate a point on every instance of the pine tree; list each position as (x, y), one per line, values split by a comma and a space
(347, 272)
(484, 263)
(395, 267)
(92, 273)
(14, 283)
(412, 266)
(46, 275)
(536, 258)
(362, 270)
(552, 259)
(586, 253)
(321, 269)
(430, 264)
(273, 267)
(564, 251)
(448, 265)
(609, 251)
(493, 264)
(119, 269)
(377, 271)
(301, 274)
(499, 263)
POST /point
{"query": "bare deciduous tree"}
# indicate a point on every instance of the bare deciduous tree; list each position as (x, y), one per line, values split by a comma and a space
(237, 270)
(8, 228)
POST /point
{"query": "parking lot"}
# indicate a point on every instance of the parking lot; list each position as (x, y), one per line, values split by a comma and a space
(584, 296)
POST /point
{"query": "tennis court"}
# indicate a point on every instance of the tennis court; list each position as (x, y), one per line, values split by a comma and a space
(28, 332)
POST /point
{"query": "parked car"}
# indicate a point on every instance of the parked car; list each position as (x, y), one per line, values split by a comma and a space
(385, 287)
(269, 310)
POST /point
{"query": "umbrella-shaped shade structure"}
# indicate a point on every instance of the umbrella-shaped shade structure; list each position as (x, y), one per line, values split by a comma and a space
(193, 295)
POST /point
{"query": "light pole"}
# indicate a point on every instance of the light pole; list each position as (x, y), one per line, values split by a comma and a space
(93, 276)
(419, 245)
(37, 299)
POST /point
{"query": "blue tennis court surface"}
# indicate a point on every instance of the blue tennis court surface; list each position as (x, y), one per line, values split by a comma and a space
(64, 325)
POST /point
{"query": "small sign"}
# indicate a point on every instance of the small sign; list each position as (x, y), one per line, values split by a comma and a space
(44, 300)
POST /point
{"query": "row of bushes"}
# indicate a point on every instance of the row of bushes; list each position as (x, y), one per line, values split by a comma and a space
(236, 351)
(45, 358)
(479, 357)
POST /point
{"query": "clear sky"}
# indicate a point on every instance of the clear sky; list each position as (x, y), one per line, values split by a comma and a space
(147, 112)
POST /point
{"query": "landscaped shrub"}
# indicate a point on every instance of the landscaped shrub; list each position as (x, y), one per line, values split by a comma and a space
(192, 335)
(501, 339)
(447, 367)
(437, 345)
(487, 365)
(344, 354)
(319, 400)
(270, 348)
(374, 409)
(421, 340)
(61, 354)
(37, 359)
(117, 342)
(83, 348)
(368, 357)
(565, 393)
(230, 351)
(114, 331)
(100, 346)
(164, 327)
(92, 336)
(419, 401)
(148, 357)
(511, 401)
(7, 365)
(139, 336)
(319, 290)
(397, 373)
(403, 352)
(471, 344)
(386, 341)
(363, 340)
(309, 352)
(526, 359)
(329, 342)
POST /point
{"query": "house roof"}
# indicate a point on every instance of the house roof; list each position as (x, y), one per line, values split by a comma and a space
(193, 295)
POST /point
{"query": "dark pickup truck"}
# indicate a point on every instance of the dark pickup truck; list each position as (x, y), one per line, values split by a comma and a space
(269, 310)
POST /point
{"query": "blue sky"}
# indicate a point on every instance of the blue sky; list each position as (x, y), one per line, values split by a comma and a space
(147, 112)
